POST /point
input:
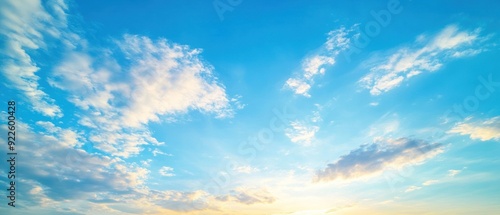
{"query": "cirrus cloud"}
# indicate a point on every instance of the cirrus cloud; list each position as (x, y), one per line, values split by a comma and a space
(429, 55)
(315, 65)
(25, 26)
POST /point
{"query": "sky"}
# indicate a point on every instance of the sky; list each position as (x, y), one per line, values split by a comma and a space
(251, 107)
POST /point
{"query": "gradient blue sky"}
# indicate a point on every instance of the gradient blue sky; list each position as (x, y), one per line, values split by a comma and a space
(252, 107)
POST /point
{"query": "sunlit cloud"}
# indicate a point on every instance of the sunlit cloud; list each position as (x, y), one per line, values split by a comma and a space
(316, 64)
(372, 159)
(149, 121)
(159, 152)
(487, 129)
(454, 172)
(246, 169)
(301, 132)
(168, 77)
(428, 56)
(412, 188)
(166, 171)
(430, 182)
(249, 196)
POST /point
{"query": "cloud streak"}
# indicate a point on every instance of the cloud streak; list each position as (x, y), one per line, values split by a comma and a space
(315, 65)
(488, 129)
(249, 196)
(428, 55)
(371, 159)
(25, 25)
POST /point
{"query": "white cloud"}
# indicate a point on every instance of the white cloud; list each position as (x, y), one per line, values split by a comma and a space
(249, 196)
(146, 163)
(430, 182)
(246, 169)
(372, 159)
(25, 25)
(163, 78)
(68, 137)
(488, 129)
(413, 73)
(299, 86)
(116, 102)
(304, 131)
(315, 65)
(412, 188)
(454, 172)
(301, 132)
(339, 40)
(159, 80)
(166, 171)
(316, 115)
(468, 53)
(122, 143)
(170, 78)
(407, 62)
(158, 152)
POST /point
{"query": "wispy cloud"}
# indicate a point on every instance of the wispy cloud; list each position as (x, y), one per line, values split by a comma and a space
(159, 152)
(488, 129)
(430, 182)
(301, 132)
(412, 188)
(166, 171)
(338, 40)
(454, 172)
(247, 169)
(428, 55)
(25, 25)
(374, 158)
(249, 196)
(67, 136)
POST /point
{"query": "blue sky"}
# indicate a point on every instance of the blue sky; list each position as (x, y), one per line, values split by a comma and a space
(252, 107)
